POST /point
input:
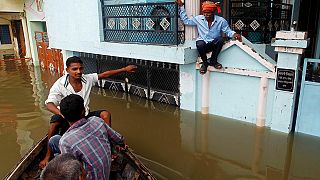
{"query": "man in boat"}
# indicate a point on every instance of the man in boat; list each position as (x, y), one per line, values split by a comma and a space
(74, 82)
(88, 138)
(209, 27)
(64, 166)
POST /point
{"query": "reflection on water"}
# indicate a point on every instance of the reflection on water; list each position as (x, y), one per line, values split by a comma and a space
(178, 144)
(23, 120)
(173, 143)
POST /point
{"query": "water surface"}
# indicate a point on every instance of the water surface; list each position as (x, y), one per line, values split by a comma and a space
(174, 144)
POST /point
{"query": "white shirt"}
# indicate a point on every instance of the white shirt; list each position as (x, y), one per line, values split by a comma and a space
(62, 88)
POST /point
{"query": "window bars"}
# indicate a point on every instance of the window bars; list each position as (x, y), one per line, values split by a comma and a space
(258, 21)
(149, 23)
(152, 80)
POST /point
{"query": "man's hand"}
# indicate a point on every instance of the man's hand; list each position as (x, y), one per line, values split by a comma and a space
(130, 68)
(179, 3)
(237, 37)
(43, 163)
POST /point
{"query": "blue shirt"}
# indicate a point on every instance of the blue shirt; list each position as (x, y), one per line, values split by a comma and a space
(207, 34)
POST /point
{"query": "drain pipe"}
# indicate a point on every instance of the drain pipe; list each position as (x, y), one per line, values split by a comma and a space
(262, 102)
(205, 93)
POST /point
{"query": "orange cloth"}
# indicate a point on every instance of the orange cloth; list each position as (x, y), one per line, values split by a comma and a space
(211, 7)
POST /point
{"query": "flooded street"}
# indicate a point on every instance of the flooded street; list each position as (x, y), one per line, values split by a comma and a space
(175, 144)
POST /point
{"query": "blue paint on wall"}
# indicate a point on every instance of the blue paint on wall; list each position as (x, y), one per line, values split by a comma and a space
(236, 57)
(187, 87)
(234, 96)
(308, 117)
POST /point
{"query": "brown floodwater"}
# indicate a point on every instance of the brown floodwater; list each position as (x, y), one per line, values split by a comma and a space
(175, 144)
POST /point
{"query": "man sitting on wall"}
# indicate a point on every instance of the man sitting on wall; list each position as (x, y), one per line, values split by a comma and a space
(88, 138)
(74, 82)
(209, 27)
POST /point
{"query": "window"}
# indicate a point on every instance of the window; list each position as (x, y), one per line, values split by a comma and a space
(5, 34)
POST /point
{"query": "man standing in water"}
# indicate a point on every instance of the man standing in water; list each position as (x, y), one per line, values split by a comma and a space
(74, 82)
(209, 27)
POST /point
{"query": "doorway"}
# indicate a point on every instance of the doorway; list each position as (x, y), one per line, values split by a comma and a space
(309, 22)
(18, 36)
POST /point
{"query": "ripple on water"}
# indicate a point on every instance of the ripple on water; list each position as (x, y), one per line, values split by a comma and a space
(23, 118)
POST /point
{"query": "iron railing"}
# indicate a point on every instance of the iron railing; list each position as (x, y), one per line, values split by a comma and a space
(152, 80)
(149, 23)
(258, 21)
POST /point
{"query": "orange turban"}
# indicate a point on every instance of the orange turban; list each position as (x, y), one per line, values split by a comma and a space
(211, 7)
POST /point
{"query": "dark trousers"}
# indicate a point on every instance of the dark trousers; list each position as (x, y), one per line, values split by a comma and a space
(215, 46)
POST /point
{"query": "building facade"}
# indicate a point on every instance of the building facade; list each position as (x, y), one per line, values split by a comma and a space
(148, 33)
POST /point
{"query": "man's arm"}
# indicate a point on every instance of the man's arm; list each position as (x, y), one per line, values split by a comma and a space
(51, 131)
(54, 98)
(106, 74)
(183, 15)
(227, 30)
(114, 136)
(53, 108)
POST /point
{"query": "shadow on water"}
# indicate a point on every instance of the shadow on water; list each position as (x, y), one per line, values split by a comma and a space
(173, 143)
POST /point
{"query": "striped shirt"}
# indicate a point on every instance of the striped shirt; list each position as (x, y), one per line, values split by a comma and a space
(89, 140)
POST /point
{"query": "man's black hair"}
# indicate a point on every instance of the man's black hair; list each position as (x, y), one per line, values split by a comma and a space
(72, 107)
(73, 59)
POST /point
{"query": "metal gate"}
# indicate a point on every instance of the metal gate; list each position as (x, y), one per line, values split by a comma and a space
(49, 58)
(308, 117)
(152, 80)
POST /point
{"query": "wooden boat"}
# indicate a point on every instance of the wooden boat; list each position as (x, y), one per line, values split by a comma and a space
(125, 166)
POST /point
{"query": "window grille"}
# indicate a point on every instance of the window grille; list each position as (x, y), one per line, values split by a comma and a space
(149, 23)
(152, 80)
(258, 21)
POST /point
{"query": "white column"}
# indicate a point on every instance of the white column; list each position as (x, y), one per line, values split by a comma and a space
(25, 34)
(192, 9)
(262, 102)
(290, 46)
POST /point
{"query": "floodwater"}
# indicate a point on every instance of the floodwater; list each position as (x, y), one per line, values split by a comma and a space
(175, 144)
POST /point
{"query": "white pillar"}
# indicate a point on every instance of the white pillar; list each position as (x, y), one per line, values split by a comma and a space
(205, 93)
(192, 9)
(290, 46)
(262, 102)
(26, 35)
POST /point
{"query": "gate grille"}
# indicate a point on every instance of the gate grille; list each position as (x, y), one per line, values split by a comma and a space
(149, 23)
(157, 81)
(258, 21)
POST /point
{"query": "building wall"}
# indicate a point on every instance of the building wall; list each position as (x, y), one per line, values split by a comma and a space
(78, 27)
(16, 10)
(5, 21)
(33, 27)
(9, 49)
(36, 22)
(11, 5)
(231, 94)
(33, 12)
